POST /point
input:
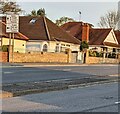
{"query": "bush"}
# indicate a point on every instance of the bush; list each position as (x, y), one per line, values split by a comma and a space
(95, 54)
(84, 45)
(112, 55)
(5, 48)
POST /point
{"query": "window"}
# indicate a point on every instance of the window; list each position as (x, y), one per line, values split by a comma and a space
(32, 21)
(62, 44)
(45, 48)
(114, 50)
(57, 48)
(67, 45)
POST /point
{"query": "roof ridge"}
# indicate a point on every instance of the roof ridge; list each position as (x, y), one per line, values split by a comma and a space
(46, 28)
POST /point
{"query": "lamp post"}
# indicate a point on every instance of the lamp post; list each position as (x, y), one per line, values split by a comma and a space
(80, 15)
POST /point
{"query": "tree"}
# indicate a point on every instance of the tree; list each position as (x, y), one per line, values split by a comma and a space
(6, 7)
(84, 45)
(33, 13)
(109, 20)
(64, 20)
(40, 12)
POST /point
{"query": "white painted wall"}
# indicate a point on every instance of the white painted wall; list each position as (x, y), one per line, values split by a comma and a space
(19, 45)
(111, 38)
(51, 45)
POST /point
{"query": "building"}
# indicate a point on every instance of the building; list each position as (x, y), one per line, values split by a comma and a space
(98, 39)
(45, 36)
(119, 15)
(117, 33)
(19, 39)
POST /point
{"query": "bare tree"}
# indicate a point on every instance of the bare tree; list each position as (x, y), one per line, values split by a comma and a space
(109, 20)
(63, 20)
(6, 7)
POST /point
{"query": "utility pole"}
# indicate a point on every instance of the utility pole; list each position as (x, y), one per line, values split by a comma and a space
(12, 27)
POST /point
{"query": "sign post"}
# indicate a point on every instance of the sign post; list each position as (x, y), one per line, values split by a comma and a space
(12, 26)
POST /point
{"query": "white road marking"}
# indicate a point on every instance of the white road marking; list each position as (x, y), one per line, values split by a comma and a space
(63, 69)
(57, 80)
(8, 72)
(117, 102)
(114, 75)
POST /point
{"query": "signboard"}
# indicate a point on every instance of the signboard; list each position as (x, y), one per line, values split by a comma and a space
(12, 23)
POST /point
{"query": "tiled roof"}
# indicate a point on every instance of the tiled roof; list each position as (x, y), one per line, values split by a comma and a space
(117, 33)
(96, 35)
(73, 28)
(44, 29)
(6, 35)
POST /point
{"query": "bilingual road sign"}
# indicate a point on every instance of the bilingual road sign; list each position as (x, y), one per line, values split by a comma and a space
(12, 23)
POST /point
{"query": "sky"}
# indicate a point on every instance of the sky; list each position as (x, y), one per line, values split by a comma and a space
(90, 11)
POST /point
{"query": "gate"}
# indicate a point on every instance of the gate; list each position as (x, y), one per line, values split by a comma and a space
(77, 57)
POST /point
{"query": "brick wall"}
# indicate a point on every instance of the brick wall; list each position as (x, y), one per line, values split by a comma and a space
(3, 56)
(93, 60)
(38, 57)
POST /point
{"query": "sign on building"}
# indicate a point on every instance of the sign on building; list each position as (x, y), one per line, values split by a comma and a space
(12, 23)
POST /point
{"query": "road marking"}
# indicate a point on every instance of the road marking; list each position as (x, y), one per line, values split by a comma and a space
(114, 75)
(117, 102)
(8, 72)
(66, 69)
(63, 69)
(56, 80)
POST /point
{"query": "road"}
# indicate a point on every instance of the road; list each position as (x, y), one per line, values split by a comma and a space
(97, 98)
(29, 74)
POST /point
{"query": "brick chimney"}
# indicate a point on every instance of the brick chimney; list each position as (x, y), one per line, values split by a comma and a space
(85, 32)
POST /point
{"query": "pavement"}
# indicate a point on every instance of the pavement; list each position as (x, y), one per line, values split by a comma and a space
(97, 98)
(91, 98)
(50, 64)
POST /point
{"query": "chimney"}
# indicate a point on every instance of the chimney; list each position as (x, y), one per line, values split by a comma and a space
(85, 32)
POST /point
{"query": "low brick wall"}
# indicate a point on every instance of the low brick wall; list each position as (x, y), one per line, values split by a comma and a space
(3, 56)
(95, 60)
(38, 57)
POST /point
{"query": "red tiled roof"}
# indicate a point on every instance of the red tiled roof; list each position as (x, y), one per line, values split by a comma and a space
(4, 34)
(117, 33)
(38, 30)
(73, 28)
(96, 36)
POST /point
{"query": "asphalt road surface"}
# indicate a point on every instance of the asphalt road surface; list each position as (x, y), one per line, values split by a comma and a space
(97, 98)
(29, 74)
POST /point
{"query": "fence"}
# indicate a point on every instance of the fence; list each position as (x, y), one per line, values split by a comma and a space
(103, 54)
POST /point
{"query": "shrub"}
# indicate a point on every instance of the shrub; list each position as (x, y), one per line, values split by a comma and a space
(84, 45)
(95, 54)
(5, 48)
(112, 55)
